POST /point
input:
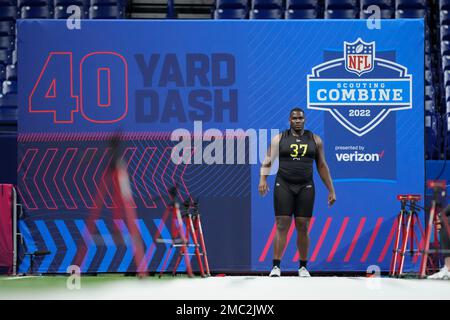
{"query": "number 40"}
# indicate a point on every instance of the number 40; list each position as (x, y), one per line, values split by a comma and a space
(102, 98)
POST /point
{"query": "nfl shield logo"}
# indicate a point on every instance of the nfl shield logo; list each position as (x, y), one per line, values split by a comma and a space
(359, 56)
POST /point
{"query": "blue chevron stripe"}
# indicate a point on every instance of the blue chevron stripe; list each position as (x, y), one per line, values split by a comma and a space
(71, 247)
(165, 234)
(148, 240)
(126, 260)
(111, 246)
(49, 243)
(29, 243)
(91, 247)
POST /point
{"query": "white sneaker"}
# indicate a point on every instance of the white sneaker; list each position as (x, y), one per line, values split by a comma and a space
(443, 274)
(302, 272)
(276, 272)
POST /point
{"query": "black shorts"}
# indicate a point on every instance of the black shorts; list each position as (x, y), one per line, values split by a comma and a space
(293, 199)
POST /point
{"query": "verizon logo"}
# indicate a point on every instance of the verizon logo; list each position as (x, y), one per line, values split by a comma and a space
(359, 157)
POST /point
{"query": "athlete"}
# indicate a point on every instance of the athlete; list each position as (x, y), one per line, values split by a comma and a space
(294, 193)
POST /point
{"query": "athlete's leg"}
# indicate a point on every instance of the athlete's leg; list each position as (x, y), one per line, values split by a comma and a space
(302, 224)
(283, 223)
(304, 204)
(283, 205)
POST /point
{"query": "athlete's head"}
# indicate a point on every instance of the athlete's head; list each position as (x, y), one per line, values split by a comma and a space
(297, 119)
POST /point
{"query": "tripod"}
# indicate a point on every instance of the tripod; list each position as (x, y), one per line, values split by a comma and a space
(406, 233)
(185, 227)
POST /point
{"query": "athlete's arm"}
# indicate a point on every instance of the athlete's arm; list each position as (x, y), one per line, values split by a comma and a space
(324, 171)
(272, 154)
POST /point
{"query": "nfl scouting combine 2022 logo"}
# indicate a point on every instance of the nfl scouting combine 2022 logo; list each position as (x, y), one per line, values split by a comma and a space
(359, 90)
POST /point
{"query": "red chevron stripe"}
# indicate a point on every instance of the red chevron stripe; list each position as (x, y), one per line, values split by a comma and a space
(338, 239)
(321, 239)
(355, 239)
(388, 241)
(23, 179)
(153, 177)
(63, 198)
(108, 185)
(93, 179)
(151, 151)
(53, 204)
(268, 243)
(372, 239)
(83, 180)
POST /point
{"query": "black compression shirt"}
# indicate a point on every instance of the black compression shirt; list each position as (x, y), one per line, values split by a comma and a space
(296, 157)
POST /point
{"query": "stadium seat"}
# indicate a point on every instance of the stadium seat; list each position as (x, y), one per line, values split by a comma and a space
(429, 77)
(266, 14)
(267, 4)
(6, 42)
(61, 13)
(301, 14)
(340, 4)
(427, 46)
(444, 17)
(427, 61)
(447, 94)
(8, 107)
(7, 28)
(383, 4)
(410, 13)
(11, 72)
(445, 33)
(445, 48)
(444, 4)
(431, 134)
(429, 106)
(8, 13)
(33, 3)
(446, 63)
(446, 78)
(104, 2)
(28, 12)
(5, 57)
(84, 3)
(105, 12)
(231, 4)
(411, 4)
(2, 73)
(9, 87)
(385, 14)
(341, 14)
(230, 14)
(8, 2)
(8, 114)
(302, 4)
(429, 92)
(8, 101)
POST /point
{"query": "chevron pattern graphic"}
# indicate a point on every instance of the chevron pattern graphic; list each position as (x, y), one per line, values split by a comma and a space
(60, 176)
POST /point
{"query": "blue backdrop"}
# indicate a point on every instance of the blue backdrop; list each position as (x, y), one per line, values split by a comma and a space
(361, 89)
